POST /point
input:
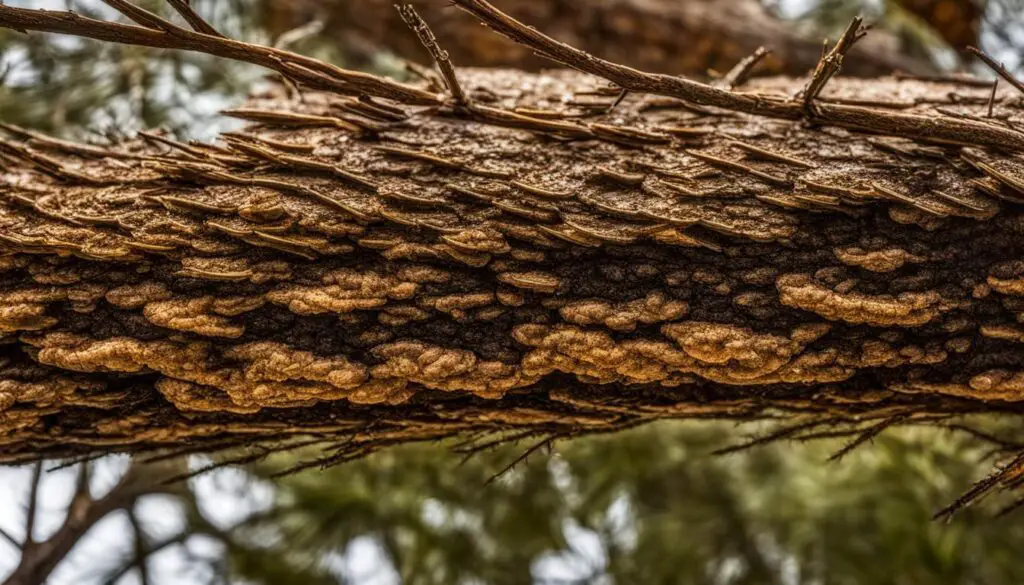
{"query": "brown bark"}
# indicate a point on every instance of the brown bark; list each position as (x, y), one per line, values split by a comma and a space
(537, 259)
(669, 36)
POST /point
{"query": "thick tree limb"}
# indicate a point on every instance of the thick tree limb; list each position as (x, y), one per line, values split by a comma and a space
(362, 272)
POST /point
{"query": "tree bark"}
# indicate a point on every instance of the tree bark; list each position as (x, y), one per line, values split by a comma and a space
(540, 255)
(401, 273)
(668, 36)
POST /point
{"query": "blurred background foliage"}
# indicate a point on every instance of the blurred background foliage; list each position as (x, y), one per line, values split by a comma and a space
(649, 505)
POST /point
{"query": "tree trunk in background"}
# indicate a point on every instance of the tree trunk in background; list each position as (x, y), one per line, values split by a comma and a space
(361, 269)
(958, 22)
(670, 36)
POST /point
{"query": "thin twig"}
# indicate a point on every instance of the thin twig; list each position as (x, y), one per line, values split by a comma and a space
(861, 118)
(124, 569)
(1004, 444)
(740, 72)
(832, 62)
(142, 16)
(980, 488)
(992, 98)
(262, 453)
(618, 100)
(526, 454)
(999, 68)
(164, 34)
(867, 435)
(1015, 505)
(781, 433)
(440, 56)
(299, 33)
(13, 541)
(141, 560)
(197, 22)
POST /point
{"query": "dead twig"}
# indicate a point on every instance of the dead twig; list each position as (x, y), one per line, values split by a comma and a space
(526, 454)
(858, 117)
(867, 435)
(740, 72)
(999, 68)
(782, 433)
(440, 56)
(981, 488)
(10, 539)
(197, 22)
(832, 62)
(162, 34)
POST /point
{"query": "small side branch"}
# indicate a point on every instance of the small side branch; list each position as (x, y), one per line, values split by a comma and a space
(983, 487)
(141, 16)
(740, 73)
(832, 62)
(10, 539)
(547, 442)
(999, 68)
(197, 22)
(867, 435)
(440, 56)
(992, 99)
(159, 33)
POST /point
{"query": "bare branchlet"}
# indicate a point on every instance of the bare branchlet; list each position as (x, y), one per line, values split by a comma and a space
(831, 63)
(160, 33)
(860, 118)
(440, 56)
(742, 71)
(997, 67)
(197, 22)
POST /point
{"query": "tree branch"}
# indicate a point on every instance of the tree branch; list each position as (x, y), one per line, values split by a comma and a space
(10, 539)
(739, 74)
(197, 22)
(856, 117)
(141, 548)
(39, 559)
(126, 568)
(33, 504)
(831, 63)
(142, 16)
(999, 68)
(441, 59)
(312, 72)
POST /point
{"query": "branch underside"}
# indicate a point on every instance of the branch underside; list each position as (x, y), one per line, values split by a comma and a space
(527, 260)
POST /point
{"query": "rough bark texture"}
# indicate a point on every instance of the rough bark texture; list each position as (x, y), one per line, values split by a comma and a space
(669, 36)
(350, 267)
(531, 255)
